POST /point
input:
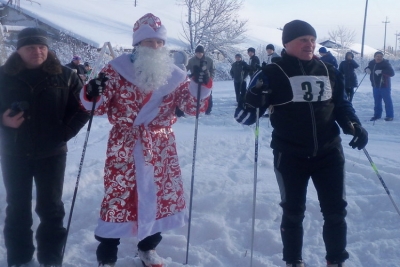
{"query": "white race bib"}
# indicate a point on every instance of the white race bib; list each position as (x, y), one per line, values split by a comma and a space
(310, 88)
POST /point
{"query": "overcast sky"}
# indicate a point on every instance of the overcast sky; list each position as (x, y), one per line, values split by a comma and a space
(327, 15)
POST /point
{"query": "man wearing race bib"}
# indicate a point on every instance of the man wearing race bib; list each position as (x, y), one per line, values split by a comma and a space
(307, 105)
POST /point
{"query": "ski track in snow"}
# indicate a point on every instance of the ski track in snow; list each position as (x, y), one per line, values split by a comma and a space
(223, 194)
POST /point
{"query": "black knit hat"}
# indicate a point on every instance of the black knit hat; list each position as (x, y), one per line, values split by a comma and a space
(31, 36)
(199, 49)
(270, 46)
(323, 50)
(251, 49)
(295, 29)
(238, 55)
(349, 54)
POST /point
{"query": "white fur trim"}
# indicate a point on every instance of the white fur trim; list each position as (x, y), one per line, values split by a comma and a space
(204, 91)
(146, 31)
(88, 104)
(115, 230)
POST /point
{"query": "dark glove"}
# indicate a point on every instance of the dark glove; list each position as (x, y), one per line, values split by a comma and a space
(256, 96)
(96, 86)
(201, 74)
(360, 138)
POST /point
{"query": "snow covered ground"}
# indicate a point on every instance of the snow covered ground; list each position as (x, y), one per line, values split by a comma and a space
(223, 193)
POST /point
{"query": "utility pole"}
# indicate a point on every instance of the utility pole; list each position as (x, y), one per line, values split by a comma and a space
(395, 48)
(384, 40)
(363, 34)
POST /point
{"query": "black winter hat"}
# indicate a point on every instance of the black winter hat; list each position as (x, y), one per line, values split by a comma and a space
(323, 50)
(270, 46)
(251, 49)
(349, 54)
(295, 29)
(238, 55)
(32, 36)
(199, 49)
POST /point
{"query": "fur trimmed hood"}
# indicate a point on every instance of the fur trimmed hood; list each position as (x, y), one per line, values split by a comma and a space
(15, 65)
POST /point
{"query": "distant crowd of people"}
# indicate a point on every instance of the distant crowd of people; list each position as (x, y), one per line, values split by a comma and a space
(241, 70)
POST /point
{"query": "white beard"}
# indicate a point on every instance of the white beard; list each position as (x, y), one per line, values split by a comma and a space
(152, 68)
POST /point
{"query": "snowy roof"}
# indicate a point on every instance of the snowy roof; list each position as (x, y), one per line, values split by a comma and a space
(97, 22)
(367, 49)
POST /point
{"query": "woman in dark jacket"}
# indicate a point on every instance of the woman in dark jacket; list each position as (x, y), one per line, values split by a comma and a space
(347, 68)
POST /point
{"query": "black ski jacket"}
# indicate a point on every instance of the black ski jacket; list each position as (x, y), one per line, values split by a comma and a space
(239, 71)
(54, 114)
(304, 128)
(347, 68)
(254, 65)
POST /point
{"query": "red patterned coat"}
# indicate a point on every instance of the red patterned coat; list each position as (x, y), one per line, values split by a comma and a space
(142, 177)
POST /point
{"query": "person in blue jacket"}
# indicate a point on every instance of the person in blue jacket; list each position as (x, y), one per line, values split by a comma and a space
(327, 57)
(380, 72)
(307, 106)
(347, 67)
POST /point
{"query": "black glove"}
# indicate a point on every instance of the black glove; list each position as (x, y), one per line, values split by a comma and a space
(256, 96)
(360, 138)
(96, 86)
(201, 74)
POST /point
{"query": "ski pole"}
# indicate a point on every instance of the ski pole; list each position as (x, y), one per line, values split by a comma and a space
(255, 183)
(381, 179)
(359, 84)
(202, 63)
(79, 174)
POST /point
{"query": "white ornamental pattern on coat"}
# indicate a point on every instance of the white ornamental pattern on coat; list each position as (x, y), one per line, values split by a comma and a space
(122, 102)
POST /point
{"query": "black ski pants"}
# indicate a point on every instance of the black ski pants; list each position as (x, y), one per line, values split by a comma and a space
(240, 91)
(18, 176)
(107, 250)
(327, 174)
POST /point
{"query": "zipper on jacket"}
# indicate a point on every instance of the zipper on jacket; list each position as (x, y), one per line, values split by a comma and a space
(32, 111)
(313, 121)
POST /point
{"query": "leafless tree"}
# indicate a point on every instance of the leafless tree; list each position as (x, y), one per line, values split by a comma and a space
(213, 24)
(344, 38)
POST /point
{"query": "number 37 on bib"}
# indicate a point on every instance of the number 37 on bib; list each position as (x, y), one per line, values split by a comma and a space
(310, 88)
